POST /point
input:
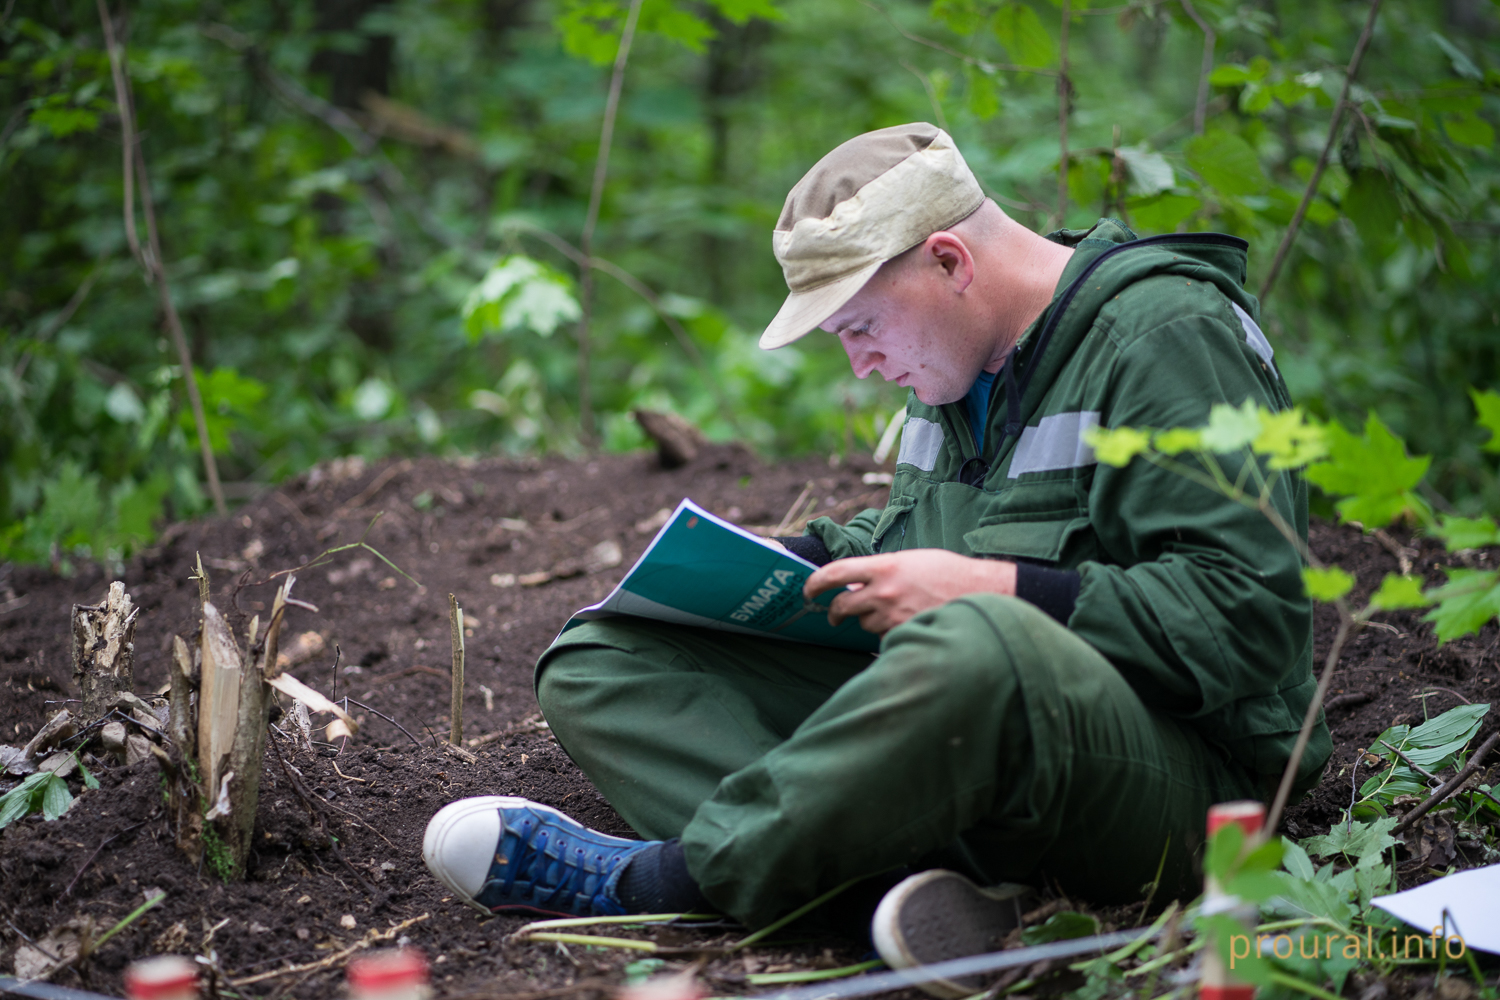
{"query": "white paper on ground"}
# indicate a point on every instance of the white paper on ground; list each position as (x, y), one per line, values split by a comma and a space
(1472, 899)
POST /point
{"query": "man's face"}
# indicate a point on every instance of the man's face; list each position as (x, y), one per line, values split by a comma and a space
(903, 325)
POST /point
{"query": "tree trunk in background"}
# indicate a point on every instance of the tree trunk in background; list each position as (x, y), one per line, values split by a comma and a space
(730, 71)
(350, 74)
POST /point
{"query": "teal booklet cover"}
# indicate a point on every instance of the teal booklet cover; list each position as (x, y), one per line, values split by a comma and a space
(702, 570)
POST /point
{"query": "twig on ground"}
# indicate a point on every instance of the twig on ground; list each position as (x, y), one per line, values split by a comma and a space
(348, 777)
(531, 724)
(1448, 789)
(1311, 192)
(372, 937)
(387, 718)
(1402, 553)
(407, 672)
(367, 494)
(456, 700)
(1432, 688)
(102, 845)
(790, 516)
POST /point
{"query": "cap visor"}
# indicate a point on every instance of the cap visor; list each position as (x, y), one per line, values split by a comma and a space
(803, 312)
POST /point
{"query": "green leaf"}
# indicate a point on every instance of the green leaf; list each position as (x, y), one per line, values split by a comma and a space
(24, 799)
(1397, 591)
(1462, 64)
(983, 96)
(1223, 851)
(519, 293)
(1326, 584)
(1295, 859)
(1178, 440)
(1457, 725)
(639, 971)
(1061, 927)
(1162, 213)
(1488, 405)
(1226, 163)
(1467, 532)
(1230, 75)
(55, 797)
(1373, 471)
(89, 781)
(1231, 428)
(1372, 205)
(1364, 839)
(1117, 446)
(1469, 130)
(741, 11)
(1020, 30)
(1465, 603)
(1148, 172)
(1289, 439)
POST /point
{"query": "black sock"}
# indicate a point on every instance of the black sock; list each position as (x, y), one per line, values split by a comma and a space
(657, 881)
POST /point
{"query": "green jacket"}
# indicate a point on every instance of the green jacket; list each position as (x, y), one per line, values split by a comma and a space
(1196, 599)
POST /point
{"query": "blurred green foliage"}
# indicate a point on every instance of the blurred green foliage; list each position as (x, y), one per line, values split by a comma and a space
(360, 205)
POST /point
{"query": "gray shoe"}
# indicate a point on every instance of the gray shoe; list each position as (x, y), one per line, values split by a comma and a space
(938, 915)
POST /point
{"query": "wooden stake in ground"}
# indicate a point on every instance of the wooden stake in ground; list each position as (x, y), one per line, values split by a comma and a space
(456, 624)
(104, 651)
(218, 699)
(247, 750)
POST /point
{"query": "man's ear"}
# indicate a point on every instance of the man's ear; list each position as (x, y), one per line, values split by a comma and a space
(948, 251)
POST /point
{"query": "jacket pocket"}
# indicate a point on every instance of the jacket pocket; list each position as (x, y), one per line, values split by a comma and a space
(1058, 541)
(894, 511)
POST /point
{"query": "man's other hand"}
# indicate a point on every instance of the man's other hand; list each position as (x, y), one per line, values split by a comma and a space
(886, 590)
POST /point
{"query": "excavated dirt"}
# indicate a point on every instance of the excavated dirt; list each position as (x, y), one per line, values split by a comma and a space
(339, 830)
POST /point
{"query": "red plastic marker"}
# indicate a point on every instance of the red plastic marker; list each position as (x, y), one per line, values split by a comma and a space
(393, 974)
(166, 977)
(1217, 983)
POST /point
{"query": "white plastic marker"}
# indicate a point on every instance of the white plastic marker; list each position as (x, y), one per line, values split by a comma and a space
(1463, 909)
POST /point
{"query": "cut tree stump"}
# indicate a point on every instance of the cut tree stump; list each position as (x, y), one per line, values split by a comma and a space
(104, 652)
(677, 441)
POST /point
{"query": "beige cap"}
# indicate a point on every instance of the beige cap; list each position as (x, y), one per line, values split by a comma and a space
(871, 199)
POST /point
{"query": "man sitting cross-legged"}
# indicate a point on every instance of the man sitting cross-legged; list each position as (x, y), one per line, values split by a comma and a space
(1076, 660)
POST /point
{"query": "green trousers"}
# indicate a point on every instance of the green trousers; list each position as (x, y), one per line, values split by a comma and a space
(984, 737)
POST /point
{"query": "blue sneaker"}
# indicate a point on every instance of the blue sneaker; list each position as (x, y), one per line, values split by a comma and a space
(502, 853)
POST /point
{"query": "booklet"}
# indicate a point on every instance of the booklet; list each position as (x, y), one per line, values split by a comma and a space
(702, 570)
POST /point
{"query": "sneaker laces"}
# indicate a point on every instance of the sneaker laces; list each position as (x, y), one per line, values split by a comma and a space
(566, 875)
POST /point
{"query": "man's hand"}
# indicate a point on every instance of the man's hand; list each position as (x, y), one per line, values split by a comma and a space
(886, 590)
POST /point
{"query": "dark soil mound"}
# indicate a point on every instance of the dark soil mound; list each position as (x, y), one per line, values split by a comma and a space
(339, 830)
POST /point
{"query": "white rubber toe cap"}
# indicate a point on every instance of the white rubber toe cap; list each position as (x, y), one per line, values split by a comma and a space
(460, 843)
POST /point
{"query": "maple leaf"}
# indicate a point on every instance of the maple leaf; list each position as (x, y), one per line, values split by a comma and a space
(1488, 405)
(1372, 471)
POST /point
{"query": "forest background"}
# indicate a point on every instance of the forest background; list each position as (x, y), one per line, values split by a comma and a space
(371, 216)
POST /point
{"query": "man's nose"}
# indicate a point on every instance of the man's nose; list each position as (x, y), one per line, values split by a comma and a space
(863, 362)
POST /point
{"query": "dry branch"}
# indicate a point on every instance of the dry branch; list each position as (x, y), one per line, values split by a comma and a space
(151, 257)
(1333, 137)
(591, 220)
(1450, 788)
(292, 970)
(456, 628)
